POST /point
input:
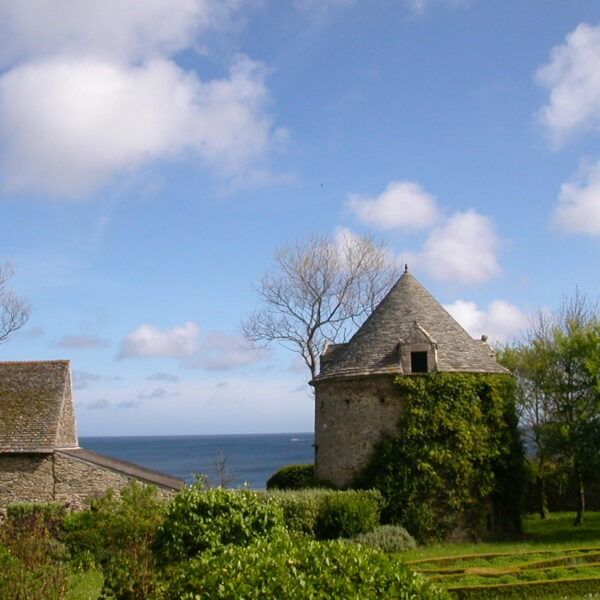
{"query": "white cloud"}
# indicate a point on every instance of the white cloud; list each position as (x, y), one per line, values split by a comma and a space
(149, 341)
(403, 205)
(215, 351)
(578, 209)
(68, 125)
(572, 76)
(221, 351)
(500, 321)
(130, 30)
(463, 250)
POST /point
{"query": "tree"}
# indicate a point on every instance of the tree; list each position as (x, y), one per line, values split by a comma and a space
(558, 372)
(318, 291)
(574, 388)
(529, 363)
(14, 310)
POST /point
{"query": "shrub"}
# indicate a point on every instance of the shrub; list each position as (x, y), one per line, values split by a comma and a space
(29, 559)
(346, 514)
(300, 508)
(289, 569)
(200, 519)
(20, 581)
(293, 477)
(117, 534)
(388, 538)
(329, 513)
(50, 514)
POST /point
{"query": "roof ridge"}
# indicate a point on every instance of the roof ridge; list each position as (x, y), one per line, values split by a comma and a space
(35, 362)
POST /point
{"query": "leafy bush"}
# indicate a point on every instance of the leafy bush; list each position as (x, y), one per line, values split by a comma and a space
(199, 519)
(388, 538)
(293, 477)
(50, 514)
(117, 534)
(290, 569)
(22, 580)
(346, 514)
(300, 508)
(30, 558)
(329, 513)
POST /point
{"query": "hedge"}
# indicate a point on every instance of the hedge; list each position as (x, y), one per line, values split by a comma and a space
(329, 514)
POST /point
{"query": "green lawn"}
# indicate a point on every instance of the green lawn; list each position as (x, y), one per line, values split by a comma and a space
(554, 560)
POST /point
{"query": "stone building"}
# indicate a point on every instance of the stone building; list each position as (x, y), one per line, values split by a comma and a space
(40, 457)
(355, 397)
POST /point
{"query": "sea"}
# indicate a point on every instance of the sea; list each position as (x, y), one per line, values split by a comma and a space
(229, 460)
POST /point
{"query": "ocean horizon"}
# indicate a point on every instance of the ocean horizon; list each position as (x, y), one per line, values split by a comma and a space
(233, 460)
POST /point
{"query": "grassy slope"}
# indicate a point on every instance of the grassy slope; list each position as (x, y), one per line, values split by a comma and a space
(551, 550)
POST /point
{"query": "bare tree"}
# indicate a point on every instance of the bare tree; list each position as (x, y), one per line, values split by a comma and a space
(319, 291)
(14, 310)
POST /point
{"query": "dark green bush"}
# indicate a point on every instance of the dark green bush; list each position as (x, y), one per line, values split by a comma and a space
(346, 514)
(30, 567)
(300, 508)
(292, 569)
(328, 514)
(199, 519)
(117, 534)
(50, 514)
(388, 538)
(293, 477)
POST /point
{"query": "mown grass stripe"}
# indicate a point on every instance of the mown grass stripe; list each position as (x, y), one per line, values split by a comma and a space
(563, 560)
(491, 572)
(459, 557)
(527, 589)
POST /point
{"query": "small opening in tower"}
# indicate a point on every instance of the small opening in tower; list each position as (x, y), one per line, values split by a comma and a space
(418, 362)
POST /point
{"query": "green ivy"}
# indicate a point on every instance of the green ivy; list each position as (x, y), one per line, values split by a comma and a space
(455, 462)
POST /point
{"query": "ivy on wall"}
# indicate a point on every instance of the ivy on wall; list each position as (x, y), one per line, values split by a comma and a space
(455, 462)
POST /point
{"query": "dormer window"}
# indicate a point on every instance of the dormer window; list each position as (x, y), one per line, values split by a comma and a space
(418, 362)
(418, 352)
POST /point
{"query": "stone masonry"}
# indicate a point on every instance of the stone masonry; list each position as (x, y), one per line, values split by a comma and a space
(356, 400)
(40, 457)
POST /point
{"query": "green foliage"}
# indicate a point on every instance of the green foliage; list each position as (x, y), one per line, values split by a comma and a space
(558, 374)
(199, 519)
(328, 514)
(388, 538)
(289, 569)
(300, 508)
(22, 581)
(293, 477)
(117, 534)
(457, 445)
(50, 514)
(346, 514)
(30, 567)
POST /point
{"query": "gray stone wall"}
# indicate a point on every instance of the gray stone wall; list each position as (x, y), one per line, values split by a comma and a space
(46, 477)
(350, 416)
(26, 478)
(76, 482)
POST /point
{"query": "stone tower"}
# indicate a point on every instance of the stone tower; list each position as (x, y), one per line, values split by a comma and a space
(355, 397)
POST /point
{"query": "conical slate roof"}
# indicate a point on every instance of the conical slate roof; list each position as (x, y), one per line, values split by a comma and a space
(407, 308)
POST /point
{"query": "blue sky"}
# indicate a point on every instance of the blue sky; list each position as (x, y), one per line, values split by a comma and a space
(154, 154)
